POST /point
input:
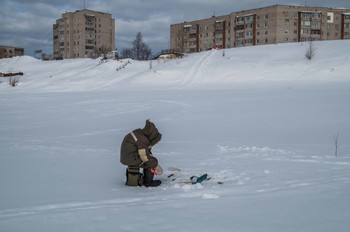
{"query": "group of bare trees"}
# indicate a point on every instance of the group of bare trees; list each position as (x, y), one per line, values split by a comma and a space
(139, 50)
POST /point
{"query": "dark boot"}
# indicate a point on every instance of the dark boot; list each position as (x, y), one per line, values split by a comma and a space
(148, 178)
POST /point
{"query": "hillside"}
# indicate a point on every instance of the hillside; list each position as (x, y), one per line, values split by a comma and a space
(283, 63)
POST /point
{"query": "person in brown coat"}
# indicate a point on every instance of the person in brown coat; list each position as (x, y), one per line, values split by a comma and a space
(135, 152)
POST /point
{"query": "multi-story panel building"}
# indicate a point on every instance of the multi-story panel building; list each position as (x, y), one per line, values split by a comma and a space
(267, 25)
(83, 33)
(345, 21)
(200, 35)
(9, 52)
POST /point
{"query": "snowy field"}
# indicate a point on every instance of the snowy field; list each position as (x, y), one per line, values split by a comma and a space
(259, 121)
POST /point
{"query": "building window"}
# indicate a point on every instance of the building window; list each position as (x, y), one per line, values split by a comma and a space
(306, 23)
(315, 32)
(311, 15)
(315, 24)
(305, 31)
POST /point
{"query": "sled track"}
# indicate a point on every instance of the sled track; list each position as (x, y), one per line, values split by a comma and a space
(67, 207)
(196, 71)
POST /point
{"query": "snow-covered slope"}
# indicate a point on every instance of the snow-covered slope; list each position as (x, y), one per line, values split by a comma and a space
(220, 68)
(260, 120)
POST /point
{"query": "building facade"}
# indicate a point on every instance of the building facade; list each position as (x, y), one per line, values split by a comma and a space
(84, 33)
(9, 52)
(267, 25)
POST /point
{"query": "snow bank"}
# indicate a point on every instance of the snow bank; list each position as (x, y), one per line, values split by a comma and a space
(220, 68)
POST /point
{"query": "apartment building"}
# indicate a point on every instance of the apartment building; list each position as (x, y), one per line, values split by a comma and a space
(9, 52)
(84, 33)
(267, 25)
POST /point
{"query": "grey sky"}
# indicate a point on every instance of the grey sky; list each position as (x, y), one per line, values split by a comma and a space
(28, 23)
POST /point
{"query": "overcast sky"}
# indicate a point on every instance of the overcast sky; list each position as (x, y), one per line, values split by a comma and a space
(28, 23)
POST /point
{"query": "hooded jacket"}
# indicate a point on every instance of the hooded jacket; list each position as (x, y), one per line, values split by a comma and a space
(136, 146)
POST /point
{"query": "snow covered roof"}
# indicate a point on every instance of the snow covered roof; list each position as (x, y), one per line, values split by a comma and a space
(239, 16)
(305, 11)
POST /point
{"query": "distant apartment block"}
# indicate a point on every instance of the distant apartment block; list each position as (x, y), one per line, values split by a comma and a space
(84, 33)
(9, 52)
(267, 25)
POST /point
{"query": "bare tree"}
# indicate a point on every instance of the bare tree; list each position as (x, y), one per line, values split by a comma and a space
(140, 50)
(13, 81)
(311, 50)
(336, 143)
(126, 53)
(146, 53)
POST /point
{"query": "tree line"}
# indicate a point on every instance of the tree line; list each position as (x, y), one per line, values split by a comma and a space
(139, 50)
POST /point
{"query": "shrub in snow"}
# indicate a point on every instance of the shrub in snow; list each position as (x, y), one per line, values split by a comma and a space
(311, 50)
(13, 81)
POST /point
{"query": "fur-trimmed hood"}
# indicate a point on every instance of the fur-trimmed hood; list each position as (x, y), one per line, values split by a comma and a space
(152, 133)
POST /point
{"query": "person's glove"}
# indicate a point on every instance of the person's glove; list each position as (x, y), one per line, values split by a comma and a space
(157, 171)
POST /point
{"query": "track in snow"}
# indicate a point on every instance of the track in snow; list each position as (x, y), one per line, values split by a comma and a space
(194, 74)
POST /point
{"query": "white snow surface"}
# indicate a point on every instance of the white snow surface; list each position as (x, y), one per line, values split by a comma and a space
(258, 120)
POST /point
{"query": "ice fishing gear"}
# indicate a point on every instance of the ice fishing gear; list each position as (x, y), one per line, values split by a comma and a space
(172, 175)
(195, 179)
(134, 177)
(173, 169)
